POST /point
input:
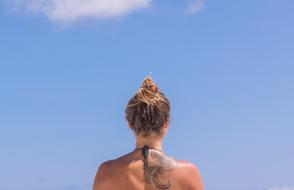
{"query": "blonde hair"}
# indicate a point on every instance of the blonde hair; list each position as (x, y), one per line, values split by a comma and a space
(148, 110)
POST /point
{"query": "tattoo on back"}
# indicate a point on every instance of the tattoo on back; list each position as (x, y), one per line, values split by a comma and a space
(158, 168)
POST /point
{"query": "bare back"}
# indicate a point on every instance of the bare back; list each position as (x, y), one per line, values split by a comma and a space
(164, 173)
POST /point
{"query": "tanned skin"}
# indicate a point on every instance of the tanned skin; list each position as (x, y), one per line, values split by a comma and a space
(164, 173)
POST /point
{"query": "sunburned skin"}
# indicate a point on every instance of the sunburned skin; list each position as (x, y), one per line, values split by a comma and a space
(158, 168)
(163, 173)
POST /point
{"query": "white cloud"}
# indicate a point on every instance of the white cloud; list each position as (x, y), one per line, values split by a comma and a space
(282, 188)
(68, 11)
(196, 6)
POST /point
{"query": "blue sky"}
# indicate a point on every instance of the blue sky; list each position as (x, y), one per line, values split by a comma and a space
(226, 66)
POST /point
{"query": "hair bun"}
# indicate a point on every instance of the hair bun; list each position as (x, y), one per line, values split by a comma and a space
(149, 85)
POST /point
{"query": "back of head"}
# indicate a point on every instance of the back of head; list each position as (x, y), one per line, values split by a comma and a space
(148, 110)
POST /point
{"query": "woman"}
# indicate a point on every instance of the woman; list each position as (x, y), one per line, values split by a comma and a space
(147, 167)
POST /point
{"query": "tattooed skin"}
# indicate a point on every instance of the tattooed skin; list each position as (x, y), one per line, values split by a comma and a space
(157, 170)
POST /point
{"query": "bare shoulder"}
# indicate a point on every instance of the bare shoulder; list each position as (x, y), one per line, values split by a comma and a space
(107, 174)
(190, 175)
(103, 176)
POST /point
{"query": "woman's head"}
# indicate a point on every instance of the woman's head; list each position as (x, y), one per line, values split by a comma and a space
(148, 111)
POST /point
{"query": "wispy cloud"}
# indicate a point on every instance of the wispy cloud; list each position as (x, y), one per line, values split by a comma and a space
(195, 6)
(68, 11)
(282, 188)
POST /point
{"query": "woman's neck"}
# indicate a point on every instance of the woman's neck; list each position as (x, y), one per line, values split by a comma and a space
(151, 142)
